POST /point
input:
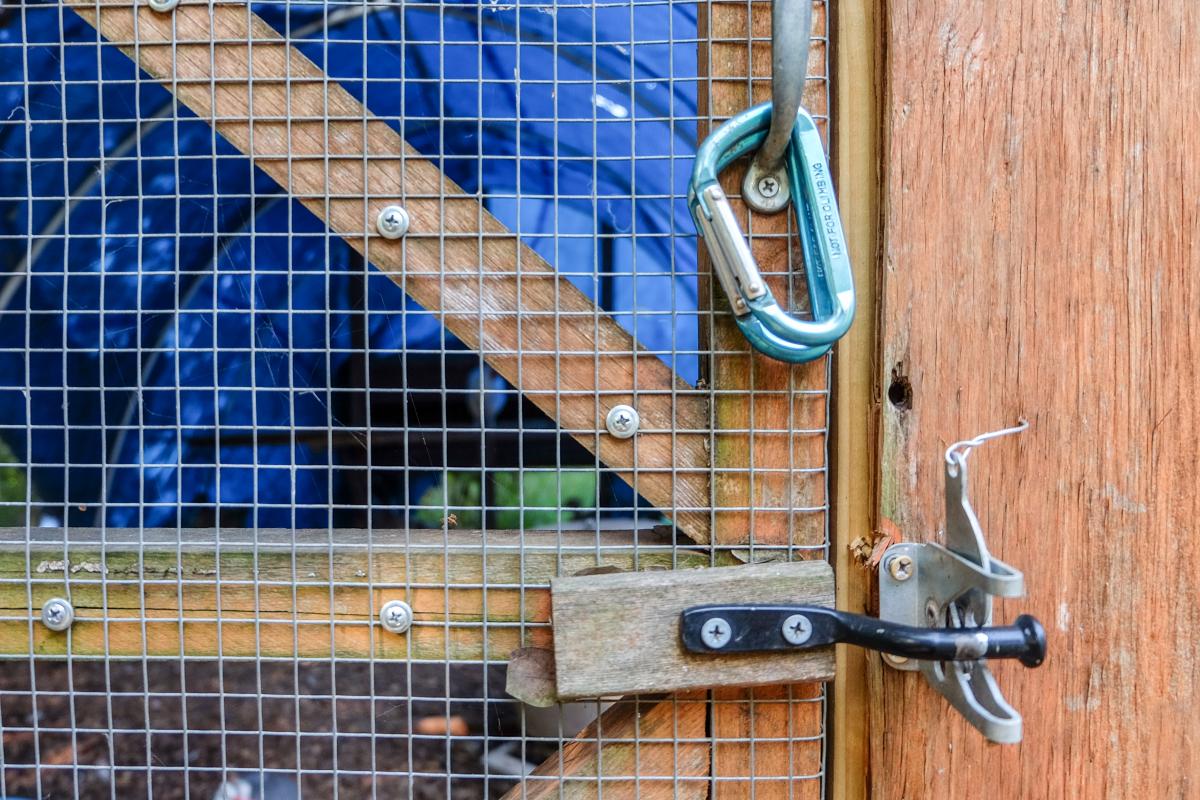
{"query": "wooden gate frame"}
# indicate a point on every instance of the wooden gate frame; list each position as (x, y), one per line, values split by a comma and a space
(295, 117)
(854, 461)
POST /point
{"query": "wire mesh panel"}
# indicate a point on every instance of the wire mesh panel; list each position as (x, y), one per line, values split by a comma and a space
(238, 419)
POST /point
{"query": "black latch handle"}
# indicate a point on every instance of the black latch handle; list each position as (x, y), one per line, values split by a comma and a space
(749, 629)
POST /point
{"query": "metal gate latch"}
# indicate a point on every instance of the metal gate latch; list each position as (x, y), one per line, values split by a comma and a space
(935, 614)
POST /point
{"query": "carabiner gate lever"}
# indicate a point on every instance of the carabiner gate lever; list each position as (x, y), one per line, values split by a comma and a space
(769, 328)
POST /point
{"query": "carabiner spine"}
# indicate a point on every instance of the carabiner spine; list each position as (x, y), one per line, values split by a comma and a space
(830, 284)
(824, 216)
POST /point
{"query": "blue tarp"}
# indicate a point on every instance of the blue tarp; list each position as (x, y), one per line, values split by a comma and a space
(182, 293)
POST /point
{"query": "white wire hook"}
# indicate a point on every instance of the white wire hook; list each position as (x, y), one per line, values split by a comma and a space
(956, 454)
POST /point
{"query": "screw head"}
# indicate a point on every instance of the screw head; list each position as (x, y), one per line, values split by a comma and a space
(162, 6)
(396, 616)
(797, 629)
(900, 567)
(768, 186)
(622, 421)
(392, 222)
(895, 659)
(57, 614)
(716, 632)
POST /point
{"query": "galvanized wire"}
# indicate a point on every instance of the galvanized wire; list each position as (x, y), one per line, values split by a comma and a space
(194, 365)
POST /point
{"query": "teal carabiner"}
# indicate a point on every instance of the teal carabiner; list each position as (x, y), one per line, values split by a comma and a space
(768, 327)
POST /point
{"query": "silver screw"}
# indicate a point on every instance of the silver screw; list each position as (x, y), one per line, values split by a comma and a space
(900, 567)
(622, 421)
(768, 186)
(162, 6)
(396, 616)
(392, 222)
(797, 629)
(895, 659)
(57, 614)
(716, 633)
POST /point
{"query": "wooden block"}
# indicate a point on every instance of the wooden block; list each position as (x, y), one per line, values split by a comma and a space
(619, 634)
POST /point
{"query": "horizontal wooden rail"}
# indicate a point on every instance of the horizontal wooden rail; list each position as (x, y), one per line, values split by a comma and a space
(308, 594)
(497, 295)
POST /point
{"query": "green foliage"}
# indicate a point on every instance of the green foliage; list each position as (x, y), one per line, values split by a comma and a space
(12, 490)
(528, 499)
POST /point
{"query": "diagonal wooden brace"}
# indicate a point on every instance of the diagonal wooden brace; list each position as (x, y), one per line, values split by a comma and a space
(553, 344)
(635, 749)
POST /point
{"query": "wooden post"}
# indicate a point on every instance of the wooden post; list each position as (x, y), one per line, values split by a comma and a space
(767, 421)
(768, 416)
(854, 460)
(1042, 203)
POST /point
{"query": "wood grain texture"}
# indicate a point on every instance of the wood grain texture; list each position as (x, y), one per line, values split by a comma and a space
(619, 633)
(282, 593)
(636, 749)
(1041, 220)
(767, 734)
(769, 458)
(769, 417)
(854, 461)
(495, 294)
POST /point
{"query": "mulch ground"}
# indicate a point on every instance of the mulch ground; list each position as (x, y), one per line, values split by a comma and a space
(169, 729)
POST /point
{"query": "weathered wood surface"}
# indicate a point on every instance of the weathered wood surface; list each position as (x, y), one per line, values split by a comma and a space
(636, 749)
(619, 633)
(768, 417)
(769, 484)
(1041, 221)
(497, 295)
(309, 594)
